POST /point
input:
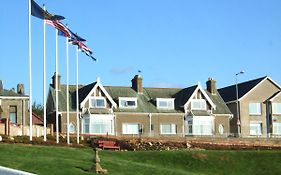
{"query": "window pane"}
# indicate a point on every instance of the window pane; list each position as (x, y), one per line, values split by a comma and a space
(198, 104)
(100, 126)
(131, 103)
(165, 103)
(100, 103)
(255, 129)
(276, 128)
(168, 128)
(255, 108)
(276, 108)
(132, 128)
(86, 126)
(13, 117)
(97, 102)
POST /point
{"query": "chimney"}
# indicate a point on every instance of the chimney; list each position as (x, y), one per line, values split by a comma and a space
(137, 84)
(20, 89)
(1, 86)
(54, 81)
(211, 85)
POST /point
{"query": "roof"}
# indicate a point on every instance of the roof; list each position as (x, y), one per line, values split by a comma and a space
(146, 102)
(221, 107)
(229, 93)
(11, 93)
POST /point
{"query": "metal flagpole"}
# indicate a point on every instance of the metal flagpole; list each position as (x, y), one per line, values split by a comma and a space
(44, 76)
(30, 71)
(77, 97)
(56, 89)
(67, 92)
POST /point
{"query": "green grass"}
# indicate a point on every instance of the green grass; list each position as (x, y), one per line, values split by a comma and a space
(62, 160)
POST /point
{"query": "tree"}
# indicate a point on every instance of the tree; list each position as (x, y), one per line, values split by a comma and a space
(38, 109)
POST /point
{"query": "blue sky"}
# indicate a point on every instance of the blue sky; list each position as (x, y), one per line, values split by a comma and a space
(175, 43)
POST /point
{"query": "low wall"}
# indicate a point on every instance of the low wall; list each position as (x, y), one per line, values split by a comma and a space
(19, 130)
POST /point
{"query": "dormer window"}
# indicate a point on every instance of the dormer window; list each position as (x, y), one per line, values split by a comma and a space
(165, 103)
(127, 102)
(198, 104)
(97, 102)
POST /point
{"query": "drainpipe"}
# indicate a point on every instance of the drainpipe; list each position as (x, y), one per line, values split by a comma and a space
(183, 133)
(115, 125)
(150, 115)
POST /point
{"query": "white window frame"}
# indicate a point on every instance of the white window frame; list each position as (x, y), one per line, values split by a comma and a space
(128, 99)
(275, 108)
(256, 132)
(94, 105)
(104, 119)
(276, 128)
(173, 128)
(167, 100)
(200, 101)
(125, 128)
(258, 106)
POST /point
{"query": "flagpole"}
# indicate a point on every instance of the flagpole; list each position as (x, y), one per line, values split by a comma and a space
(30, 71)
(77, 97)
(44, 76)
(56, 89)
(67, 91)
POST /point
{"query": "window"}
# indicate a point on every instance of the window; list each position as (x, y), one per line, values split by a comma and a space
(255, 129)
(277, 128)
(100, 126)
(127, 102)
(198, 104)
(71, 128)
(168, 128)
(86, 125)
(202, 128)
(13, 114)
(221, 129)
(97, 102)
(165, 103)
(131, 128)
(255, 109)
(276, 108)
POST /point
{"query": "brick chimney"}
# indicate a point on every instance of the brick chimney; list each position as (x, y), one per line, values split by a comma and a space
(20, 89)
(211, 85)
(54, 81)
(137, 84)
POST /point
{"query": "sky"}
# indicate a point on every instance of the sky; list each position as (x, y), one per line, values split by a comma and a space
(175, 43)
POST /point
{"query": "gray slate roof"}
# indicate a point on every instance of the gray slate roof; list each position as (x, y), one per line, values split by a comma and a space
(10, 93)
(146, 101)
(229, 93)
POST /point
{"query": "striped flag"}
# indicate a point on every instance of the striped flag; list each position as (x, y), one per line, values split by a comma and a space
(58, 25)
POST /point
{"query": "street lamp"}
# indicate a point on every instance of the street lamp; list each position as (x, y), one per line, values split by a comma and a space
(237, 108)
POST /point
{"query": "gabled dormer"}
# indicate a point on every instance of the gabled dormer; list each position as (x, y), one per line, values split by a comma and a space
(96, 97)
(199, 101)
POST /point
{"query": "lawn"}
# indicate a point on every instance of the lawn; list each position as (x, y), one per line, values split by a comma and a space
(63, 160)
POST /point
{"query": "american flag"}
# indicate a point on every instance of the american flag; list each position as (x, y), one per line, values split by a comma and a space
(58, 25)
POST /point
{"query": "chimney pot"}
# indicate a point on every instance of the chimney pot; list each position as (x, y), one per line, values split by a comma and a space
(20, 89)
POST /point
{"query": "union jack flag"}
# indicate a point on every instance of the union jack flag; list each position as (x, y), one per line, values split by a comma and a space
(58, 25)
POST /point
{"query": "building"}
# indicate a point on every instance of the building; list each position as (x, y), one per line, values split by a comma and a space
(14, 105)
(259, 107)
(136, 110)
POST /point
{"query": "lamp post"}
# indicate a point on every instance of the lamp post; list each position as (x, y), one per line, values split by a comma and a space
(237, 108)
